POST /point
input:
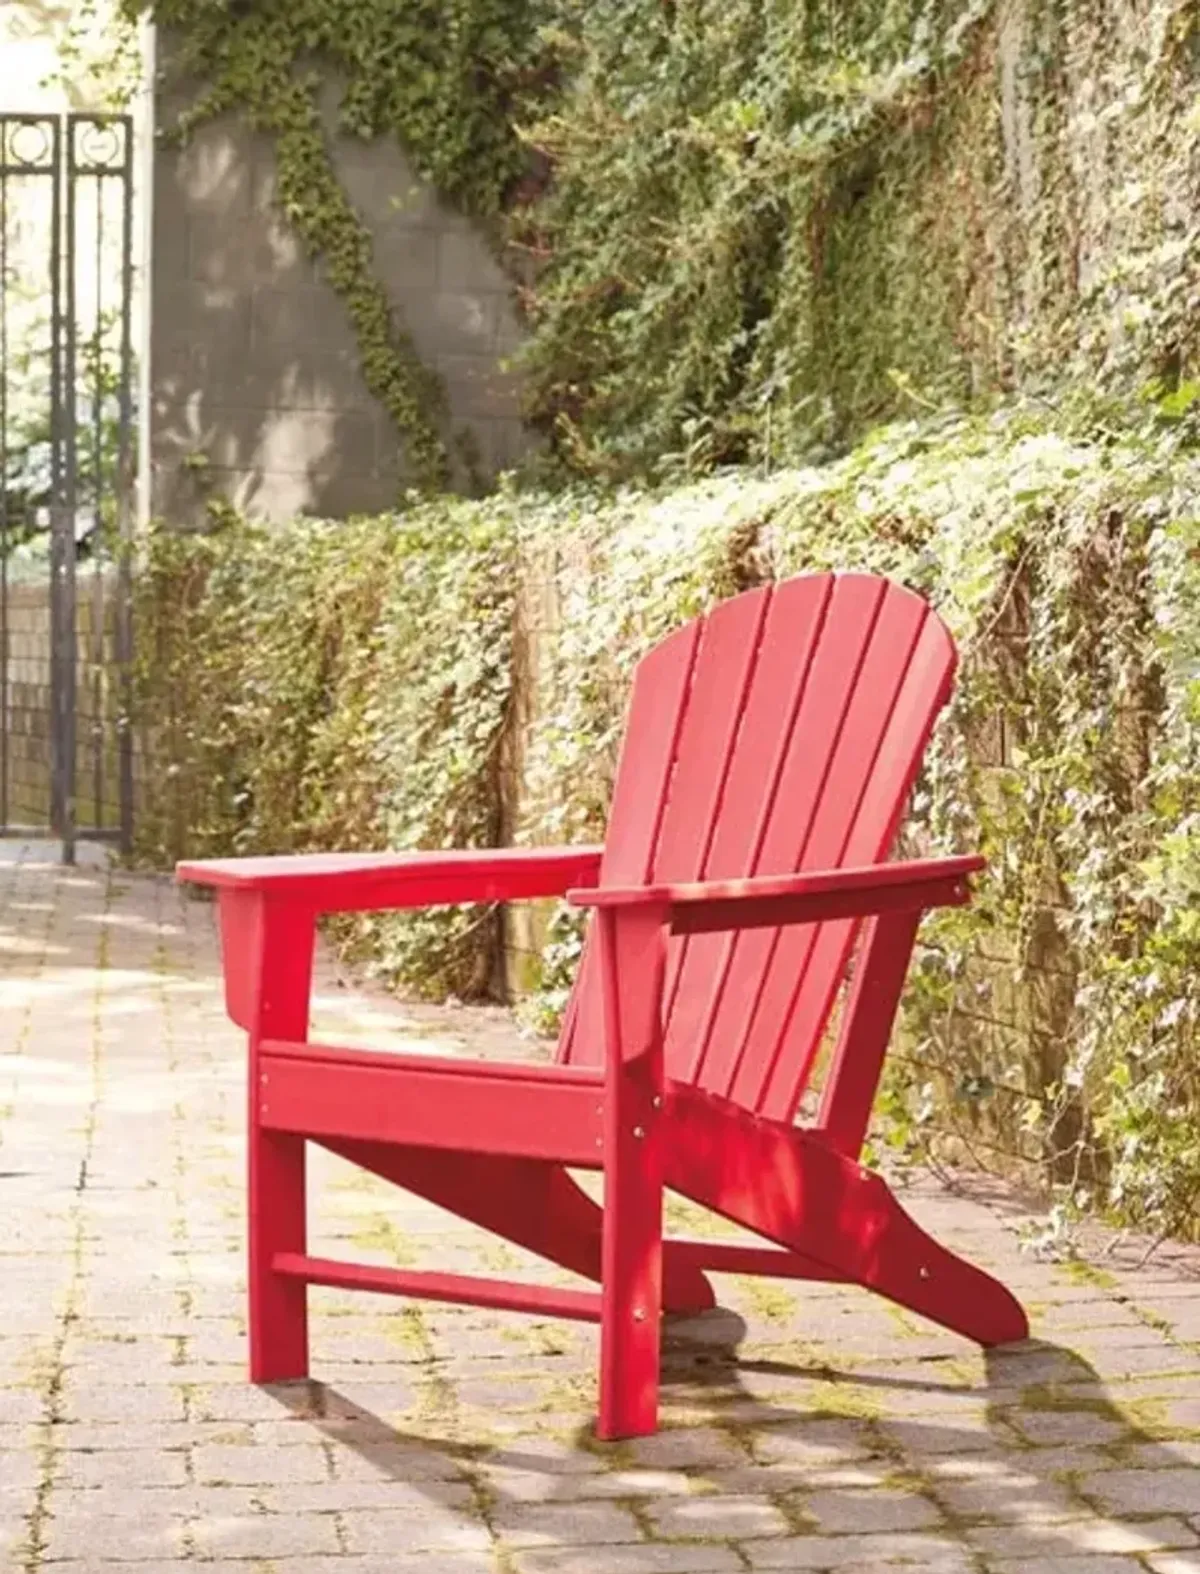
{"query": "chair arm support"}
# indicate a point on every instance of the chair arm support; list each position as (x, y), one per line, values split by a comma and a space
(369, 882)
(766, 901)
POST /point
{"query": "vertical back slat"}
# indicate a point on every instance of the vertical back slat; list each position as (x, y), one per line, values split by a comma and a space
(656, 710)
(790, 634)
(924, 686)
(808, 961)
(853, 608)
(708, 744)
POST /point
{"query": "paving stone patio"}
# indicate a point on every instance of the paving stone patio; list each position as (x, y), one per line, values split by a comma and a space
(805, 1428)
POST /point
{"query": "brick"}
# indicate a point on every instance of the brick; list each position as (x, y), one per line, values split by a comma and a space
(84, 1536)
(649, 1558)
(242, 1402)
(871, 1510)
(332, 1497)
(407, 1530)
(1153, 1456)
(265, 1535)
(21, 1405)
(372, 1459)
(19, 1468)
(125, 1403)
(253, 1466)
(1077, 1538)
(403, 1563)
(1174, 1491)
(929, 1554)
(151, 1503)
(730, 1518)
(687, 1448)
(815, 1442)
(582, 1524)
(121, 1468)
(1068, 1426)
(928, 1439)
(531, 1486)
(1009, 1498)
(1093, 1564)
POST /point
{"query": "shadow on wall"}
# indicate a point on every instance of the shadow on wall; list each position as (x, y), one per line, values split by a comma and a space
(256, 393)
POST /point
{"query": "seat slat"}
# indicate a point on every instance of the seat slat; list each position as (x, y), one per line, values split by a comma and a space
(432, 1105)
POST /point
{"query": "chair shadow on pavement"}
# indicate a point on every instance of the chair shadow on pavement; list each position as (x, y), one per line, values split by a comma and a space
(1052, 1466)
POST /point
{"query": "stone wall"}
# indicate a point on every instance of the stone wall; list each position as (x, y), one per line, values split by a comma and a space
(255, 390)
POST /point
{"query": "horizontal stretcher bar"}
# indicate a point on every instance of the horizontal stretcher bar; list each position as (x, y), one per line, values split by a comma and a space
(506, 1294)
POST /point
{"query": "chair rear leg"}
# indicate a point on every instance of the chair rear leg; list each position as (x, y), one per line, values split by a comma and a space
(794, 1189)
(278, 1311)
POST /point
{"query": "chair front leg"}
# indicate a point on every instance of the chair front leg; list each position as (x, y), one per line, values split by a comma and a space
(632, 957)
(268, 957)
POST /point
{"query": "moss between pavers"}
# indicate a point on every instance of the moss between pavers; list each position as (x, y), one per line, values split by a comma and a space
(769, 1300)
(383, 1236)
(1078, 1271)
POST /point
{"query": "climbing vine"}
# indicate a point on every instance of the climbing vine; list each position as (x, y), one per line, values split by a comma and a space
(444, 79)
(911, 285)
(351, 691)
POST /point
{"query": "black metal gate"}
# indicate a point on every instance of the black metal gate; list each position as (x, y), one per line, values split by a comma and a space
(66, 477)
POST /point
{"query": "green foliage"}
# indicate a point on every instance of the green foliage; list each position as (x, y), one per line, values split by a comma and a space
(457, 676)
(94, 55)
(342, 685)
(769, 229)
(773, 225)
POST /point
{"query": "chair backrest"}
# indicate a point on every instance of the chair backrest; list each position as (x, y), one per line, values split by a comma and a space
(781, 732)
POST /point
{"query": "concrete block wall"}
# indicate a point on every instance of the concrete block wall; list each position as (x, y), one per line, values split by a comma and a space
(26, 721)
(255, 390)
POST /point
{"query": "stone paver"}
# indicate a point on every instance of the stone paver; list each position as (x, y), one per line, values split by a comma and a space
(806, 1427)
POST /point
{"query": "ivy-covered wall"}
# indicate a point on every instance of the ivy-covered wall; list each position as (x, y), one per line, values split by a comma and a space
(738, 231)
(286, 382)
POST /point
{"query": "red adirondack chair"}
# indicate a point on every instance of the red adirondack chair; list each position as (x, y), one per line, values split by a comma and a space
(770, 750)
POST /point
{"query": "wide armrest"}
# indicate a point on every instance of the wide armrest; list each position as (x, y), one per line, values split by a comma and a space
(768, 900)
(363, 882)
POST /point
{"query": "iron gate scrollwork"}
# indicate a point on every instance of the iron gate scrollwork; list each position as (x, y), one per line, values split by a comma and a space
(66, 476)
